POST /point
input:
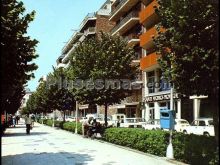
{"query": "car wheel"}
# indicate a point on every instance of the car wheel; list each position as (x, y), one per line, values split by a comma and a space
(206, 134)
(153, 129)
(184, 131)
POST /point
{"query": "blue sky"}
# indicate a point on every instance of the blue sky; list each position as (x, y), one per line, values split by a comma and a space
(53, 25)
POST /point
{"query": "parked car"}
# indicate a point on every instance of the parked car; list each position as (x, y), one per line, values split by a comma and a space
(70, 119)
(82, 119)
(180, 125)
(152, 124)
(202, 126)
(131, 123)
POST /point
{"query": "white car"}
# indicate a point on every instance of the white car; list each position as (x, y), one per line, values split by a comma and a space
(82, 119)
(152, 124)
(180, 125)
(131, 123)
(202, 126)
(70, 119)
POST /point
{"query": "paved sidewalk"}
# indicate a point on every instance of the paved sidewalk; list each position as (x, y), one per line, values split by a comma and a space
(51, 146)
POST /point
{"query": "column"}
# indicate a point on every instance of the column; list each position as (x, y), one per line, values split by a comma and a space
(178, 115)
(156, 110)
(147, 115)
(196, 107)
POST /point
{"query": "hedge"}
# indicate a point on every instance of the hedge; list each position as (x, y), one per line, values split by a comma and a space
(192, 149)
(69, 126)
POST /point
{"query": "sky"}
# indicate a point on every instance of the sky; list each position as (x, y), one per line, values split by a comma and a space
(54, 24)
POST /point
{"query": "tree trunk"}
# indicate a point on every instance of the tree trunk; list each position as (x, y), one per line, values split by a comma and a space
(215, 108)
(106, 108)
(64, 115)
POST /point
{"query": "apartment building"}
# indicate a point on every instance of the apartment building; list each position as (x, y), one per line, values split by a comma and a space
(156, 91)
(125, 14)
(90, 26)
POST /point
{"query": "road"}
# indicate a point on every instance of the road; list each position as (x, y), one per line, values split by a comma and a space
(51, 146)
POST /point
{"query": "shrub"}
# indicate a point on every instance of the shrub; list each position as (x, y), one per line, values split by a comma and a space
(191, 149)
(70, 126)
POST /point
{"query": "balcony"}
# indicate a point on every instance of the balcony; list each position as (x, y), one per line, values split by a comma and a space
(146, 39)
(148, 62)
(121, 8)
(136, 60)
(147, 16)
(74, 38)
(89, 31)
(125, 24)
(66, 57)
(133, 39)
(89, 16)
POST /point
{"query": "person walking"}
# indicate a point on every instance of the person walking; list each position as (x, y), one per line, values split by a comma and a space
(17, 119)
(28, 122)
(13, 120)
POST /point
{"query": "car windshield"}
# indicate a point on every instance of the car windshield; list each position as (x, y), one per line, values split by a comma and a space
(184, 122)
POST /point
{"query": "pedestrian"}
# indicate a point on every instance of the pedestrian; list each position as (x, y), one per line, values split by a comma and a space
(33, 120)
(17, 119)
(13, 120)
(28, 122)
(85, 126)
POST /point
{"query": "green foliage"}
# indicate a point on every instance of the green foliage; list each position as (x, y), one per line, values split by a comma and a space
(104, 58)
(187, 148)
(191, 35)
(70, 126)
(192, 61)
(17, 53)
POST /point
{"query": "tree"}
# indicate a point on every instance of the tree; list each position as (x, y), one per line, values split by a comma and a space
(17, 52)
(189, 49)
(98, 60)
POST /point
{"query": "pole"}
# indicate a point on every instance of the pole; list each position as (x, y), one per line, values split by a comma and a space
(42, 118)
(169, 153)
(76, 116)
(53, 117)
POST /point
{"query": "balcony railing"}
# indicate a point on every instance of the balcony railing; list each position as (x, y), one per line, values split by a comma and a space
(89, 30)
(123, 21)
(89, 15)
(118, 6)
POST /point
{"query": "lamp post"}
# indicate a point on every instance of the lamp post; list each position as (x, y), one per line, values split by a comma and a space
(53, 118)
(76, 116)
(169, 153)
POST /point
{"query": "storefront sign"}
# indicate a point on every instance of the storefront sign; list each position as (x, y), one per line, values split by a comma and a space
(160, 97)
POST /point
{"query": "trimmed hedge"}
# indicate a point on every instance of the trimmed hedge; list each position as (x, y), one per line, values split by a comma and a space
(191, 149)
(69, 126)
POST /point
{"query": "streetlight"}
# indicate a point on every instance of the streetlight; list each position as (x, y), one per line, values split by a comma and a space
(169, 153)
(76, 116)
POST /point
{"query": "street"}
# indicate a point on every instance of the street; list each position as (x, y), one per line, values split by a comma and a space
(51, 146)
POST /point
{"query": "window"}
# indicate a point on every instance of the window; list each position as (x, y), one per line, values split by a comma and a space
(150, 82)
(201, 123)
(211, 122)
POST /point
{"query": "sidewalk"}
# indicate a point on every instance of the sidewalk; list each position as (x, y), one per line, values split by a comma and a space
(50, 146)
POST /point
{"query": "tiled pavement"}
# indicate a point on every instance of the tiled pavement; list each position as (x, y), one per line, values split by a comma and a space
(50, 146)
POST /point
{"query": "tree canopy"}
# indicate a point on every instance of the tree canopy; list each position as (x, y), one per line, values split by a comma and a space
(96, 61)
(189, 48)
(17, 53)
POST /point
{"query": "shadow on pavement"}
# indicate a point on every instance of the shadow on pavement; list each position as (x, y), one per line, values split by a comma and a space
(23, 134)
(44, 158)
(19, 126)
